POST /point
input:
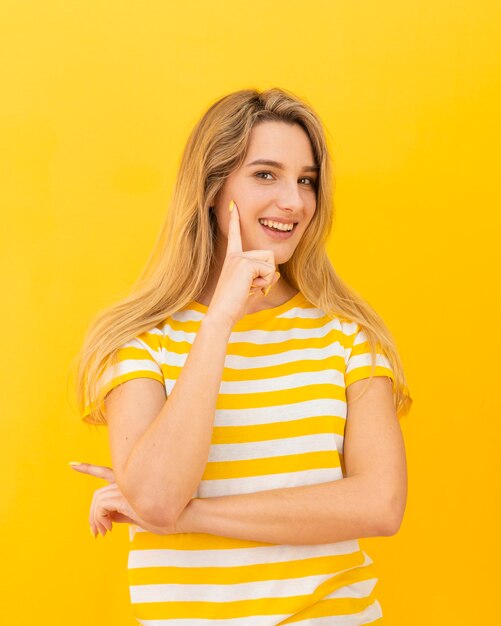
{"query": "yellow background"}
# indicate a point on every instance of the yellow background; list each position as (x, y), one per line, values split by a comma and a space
(97, 102)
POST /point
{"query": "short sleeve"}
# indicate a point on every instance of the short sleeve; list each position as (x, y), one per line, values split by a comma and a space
(358, 364)
(137, 358)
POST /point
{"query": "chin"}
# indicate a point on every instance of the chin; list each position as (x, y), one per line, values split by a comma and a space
(281, 256)
(280, 259)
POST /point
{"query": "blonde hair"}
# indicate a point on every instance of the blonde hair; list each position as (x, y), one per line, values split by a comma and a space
(179, 264)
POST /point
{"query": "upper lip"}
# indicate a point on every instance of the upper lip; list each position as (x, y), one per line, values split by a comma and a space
(280, 220)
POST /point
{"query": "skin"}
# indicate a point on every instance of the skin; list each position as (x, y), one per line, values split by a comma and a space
(258, 191)
(370, 501)
(289, 193)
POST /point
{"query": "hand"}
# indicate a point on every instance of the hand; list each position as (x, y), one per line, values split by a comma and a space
(242, 275)
(110, 505)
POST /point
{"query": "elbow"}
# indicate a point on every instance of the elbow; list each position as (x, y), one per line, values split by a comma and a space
(152, 509)
(161, 510)
(147, 513)
(392, 517)
(157, 514)
(166, 514)
(390, 527)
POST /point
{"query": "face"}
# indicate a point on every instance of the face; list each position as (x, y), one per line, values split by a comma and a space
(283, 192)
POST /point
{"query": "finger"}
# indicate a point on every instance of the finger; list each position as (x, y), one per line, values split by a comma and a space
(264, 274)
(101, 529)
(101, 514)
(269, 268)
(259, 282)
(234, 236)
(109, 503)
(120, 518)
(264, 268)
(266, 256)
(104, 522)
(100, 471)
(275, 280)
(92, 523)
(94, 504)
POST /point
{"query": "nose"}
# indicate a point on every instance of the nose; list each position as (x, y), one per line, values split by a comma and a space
(289, 196)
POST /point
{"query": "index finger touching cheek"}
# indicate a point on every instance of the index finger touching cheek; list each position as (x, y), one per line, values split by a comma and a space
(234, 236)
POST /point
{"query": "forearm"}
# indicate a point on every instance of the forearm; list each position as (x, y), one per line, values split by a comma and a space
(341, 510)
(167, 463)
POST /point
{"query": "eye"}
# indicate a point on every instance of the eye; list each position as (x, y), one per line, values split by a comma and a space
(312, 181)
(258, 173)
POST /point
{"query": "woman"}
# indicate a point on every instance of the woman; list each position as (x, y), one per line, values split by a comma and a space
(240, 382)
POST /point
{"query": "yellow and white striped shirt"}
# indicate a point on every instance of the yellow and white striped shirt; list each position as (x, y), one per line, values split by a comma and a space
(279, 422)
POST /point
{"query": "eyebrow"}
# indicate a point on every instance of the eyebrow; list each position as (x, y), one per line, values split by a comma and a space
(280, 166)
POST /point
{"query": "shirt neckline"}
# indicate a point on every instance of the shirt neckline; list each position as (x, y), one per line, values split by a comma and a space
(257, 316)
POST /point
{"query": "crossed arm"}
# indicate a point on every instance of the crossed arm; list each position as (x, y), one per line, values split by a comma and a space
(369, 501)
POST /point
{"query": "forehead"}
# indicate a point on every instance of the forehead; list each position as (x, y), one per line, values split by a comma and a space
(280, 141)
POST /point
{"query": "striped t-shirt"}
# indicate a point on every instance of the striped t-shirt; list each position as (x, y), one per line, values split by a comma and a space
(279, 422)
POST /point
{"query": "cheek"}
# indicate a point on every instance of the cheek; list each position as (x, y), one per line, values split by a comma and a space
(252, 198)
(309, 209)
(308, 222)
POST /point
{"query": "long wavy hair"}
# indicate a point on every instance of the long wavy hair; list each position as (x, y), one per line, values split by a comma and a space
(178, 266)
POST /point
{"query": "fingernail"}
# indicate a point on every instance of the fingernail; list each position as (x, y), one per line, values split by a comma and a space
(92, 532)
(266, 290)
(278, 274)
(230, 208)
(74, 463)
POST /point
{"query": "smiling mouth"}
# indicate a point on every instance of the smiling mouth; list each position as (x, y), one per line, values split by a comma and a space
(279, 230)
(275, 233)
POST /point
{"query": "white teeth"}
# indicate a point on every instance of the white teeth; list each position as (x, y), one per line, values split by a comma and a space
(277, 225)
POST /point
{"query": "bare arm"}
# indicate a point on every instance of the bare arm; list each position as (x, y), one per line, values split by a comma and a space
(160, 457)
(369, 501)
(160, 447)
